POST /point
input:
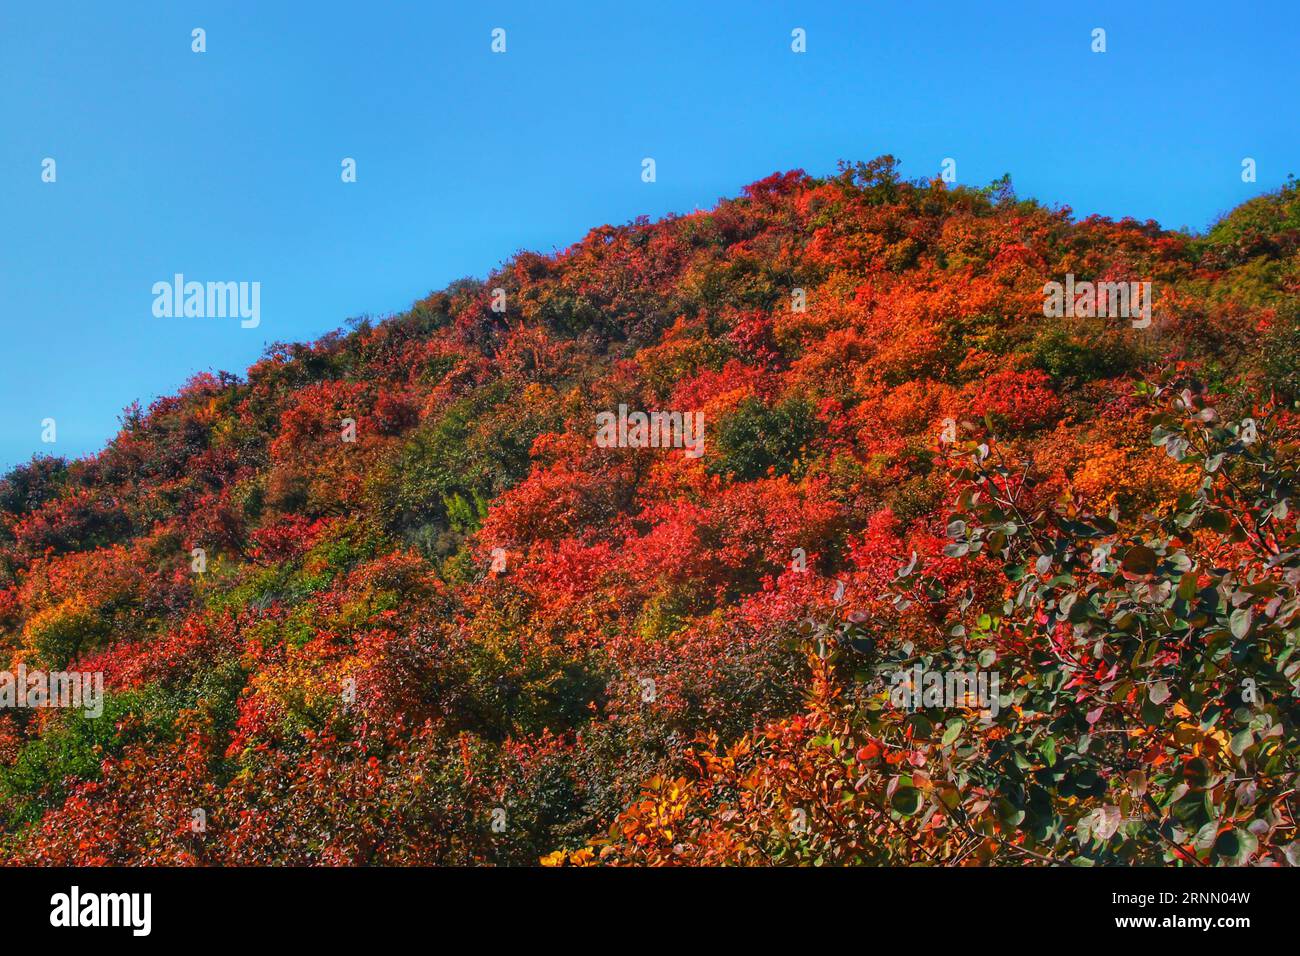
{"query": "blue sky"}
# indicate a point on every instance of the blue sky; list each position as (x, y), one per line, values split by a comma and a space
(225, 165)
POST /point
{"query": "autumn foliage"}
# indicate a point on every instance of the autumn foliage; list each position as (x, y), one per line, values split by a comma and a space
(384, 600)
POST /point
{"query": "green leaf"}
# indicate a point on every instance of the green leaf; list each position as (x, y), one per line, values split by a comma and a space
(1240, 622)
(1241, 741)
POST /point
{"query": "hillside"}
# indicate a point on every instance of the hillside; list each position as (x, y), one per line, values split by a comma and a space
(403, 595)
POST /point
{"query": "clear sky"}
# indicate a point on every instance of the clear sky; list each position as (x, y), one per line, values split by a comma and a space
(225, 165)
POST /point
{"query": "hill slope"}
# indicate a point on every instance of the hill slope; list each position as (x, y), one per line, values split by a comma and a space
(391, 598)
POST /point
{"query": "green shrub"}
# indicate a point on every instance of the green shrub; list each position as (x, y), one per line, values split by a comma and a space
(756, 438)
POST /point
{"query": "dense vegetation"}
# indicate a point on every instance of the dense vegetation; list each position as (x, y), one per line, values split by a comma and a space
(473, 636)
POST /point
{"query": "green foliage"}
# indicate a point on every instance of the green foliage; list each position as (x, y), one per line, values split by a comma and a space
(1083, 353)
(1280, 354)
(757, 439)
(61, 632)
(915, 497)
(75, 746)
(29, 486)
(571, 315)
(1124, 737)
(1267, 226)
(474, 450)
(465, 516)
